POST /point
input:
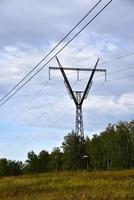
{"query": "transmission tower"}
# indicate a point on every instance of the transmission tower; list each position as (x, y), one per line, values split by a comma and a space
(78, 96)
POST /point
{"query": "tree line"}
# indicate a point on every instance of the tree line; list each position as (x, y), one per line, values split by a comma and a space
(111, 149)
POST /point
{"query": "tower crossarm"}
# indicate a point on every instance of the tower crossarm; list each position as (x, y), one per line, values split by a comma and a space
(77, 69)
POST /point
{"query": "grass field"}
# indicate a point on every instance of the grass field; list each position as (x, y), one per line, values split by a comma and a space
(69, 186)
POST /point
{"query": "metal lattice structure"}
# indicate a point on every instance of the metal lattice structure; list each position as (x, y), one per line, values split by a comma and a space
(79, 128)
(78, 96)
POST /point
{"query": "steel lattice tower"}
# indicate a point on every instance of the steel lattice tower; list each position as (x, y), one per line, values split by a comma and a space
(78, 96)
(79, 128)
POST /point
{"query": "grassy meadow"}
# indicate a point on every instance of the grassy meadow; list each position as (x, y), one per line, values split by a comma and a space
(69, 186)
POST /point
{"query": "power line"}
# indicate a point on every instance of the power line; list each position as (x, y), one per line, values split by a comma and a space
(120, 78)
(98, 87)
(24, 108)
(122, 70)
(117, 58)
(112, 72)
(39, 117)
(55, 54)
(33, 138)
(51, 50)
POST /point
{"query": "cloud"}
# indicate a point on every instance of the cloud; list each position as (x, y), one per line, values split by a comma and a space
(29, 29)
(119, 105)
(43, 21)
(83, 52)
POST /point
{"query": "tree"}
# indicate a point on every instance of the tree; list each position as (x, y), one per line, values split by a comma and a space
(131, 131)
(56, 159)
(97, 152)
(43, 161)
(73, 148)
(14, 168)
(3, 167)
(124, 143)
(109, 143)
(10, 168)
(87, 156)
(31, 164)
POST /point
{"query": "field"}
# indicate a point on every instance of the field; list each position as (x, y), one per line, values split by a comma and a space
(69, 186)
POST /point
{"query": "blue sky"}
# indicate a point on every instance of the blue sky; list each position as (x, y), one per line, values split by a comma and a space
(42, 113)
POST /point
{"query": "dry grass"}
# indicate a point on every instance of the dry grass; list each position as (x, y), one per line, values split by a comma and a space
(70, 186)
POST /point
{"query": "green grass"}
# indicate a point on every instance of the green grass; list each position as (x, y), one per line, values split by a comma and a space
(70, 186)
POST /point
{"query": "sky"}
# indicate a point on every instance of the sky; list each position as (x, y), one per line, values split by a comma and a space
(42, 113)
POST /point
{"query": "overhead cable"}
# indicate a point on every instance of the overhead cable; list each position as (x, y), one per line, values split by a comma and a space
(55, 54)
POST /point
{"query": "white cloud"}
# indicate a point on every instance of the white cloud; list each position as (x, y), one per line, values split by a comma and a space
(83, 52)
(121, 105)
(26, 38)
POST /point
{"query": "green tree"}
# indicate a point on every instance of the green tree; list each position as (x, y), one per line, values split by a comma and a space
(97, 152)
(14, 168)
(73, 148)
(10, 168)
(43, 161)
(31, 164)
(3, 167)
(56, 159)
(131, 130)
(124, 143)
